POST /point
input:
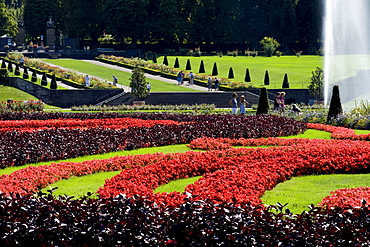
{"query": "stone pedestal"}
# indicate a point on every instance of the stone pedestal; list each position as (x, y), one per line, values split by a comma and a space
(21, 36)
(50, 37)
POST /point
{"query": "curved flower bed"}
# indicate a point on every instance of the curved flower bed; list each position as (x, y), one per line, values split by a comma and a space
(238, 176)
(115, 123)
(220, 209)
(339, 132)
(241, 176)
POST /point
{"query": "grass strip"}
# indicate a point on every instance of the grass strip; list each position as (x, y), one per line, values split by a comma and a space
(107, 74)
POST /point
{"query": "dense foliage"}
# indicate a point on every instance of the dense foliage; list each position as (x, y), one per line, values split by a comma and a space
(195, 22)
(121, 221)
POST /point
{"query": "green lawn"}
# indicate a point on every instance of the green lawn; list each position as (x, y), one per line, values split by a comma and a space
(107, 74)
(300, 192)
(7, 92)
(298, 68)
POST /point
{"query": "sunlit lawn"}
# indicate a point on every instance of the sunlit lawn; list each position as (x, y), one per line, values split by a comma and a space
(107, 74)
(298, 68)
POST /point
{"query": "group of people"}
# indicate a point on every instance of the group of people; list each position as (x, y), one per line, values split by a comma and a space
(235, 105)
(181, 76)
(211, 82)
(279, 104)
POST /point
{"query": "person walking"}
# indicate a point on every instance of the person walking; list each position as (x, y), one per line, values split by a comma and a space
(115, 81)
(191, 78)
(148, 87)
(217, 82)
(180, 78)
(21, 62)
(281, 101)
(87, 81)
(209, 83)
(234, 103)
(242, 104)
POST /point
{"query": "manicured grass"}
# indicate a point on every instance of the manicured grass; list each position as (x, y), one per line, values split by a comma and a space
(300, 192)
(7, 92)
(178, 185)
(107, 73)
(79, 186)
(311, 134)
(298, 68)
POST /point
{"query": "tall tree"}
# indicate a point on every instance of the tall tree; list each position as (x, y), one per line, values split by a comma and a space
(36, 15)
(128, 19)
(82, 20)
(253, 23)
(282, 23)
(172, 21)
(310, 22)
(8, 23)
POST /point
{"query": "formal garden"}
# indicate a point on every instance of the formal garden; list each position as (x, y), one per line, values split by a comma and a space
(232, 161)
(181, 175)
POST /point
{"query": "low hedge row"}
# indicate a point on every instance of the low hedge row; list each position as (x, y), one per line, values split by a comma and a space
(121, 221)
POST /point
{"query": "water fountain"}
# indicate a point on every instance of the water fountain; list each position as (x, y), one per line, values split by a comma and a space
(347, 50)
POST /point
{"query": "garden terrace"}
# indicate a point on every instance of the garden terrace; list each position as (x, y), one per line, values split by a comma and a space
(222, 208)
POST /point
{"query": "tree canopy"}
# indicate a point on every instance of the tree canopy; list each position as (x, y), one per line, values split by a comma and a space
(178, 21)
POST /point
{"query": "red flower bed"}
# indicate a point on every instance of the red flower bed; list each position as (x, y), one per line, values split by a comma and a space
(235, 175)
(33, 178)
(112, 123)
(22, 147)
(241, 175)
(349, 197)
(339, 132)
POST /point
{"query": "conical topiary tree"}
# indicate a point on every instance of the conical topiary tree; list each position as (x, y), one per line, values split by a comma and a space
(154, 57)
(201, 67)
(335, 107)
(285, 81)
(165, 60)
(10, 66)
(3, 64)
(17, 71)
(231, 73)
(34, 76)
(263, 103)
(53, 83)
(44, 81)
(266, 81)
(25, 73)
(138, 84)
(177, 64)
(214, 70)
(188, 65)
(247, 77)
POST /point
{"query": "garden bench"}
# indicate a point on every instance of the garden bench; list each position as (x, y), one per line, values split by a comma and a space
(105, 49)
(54, 55)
